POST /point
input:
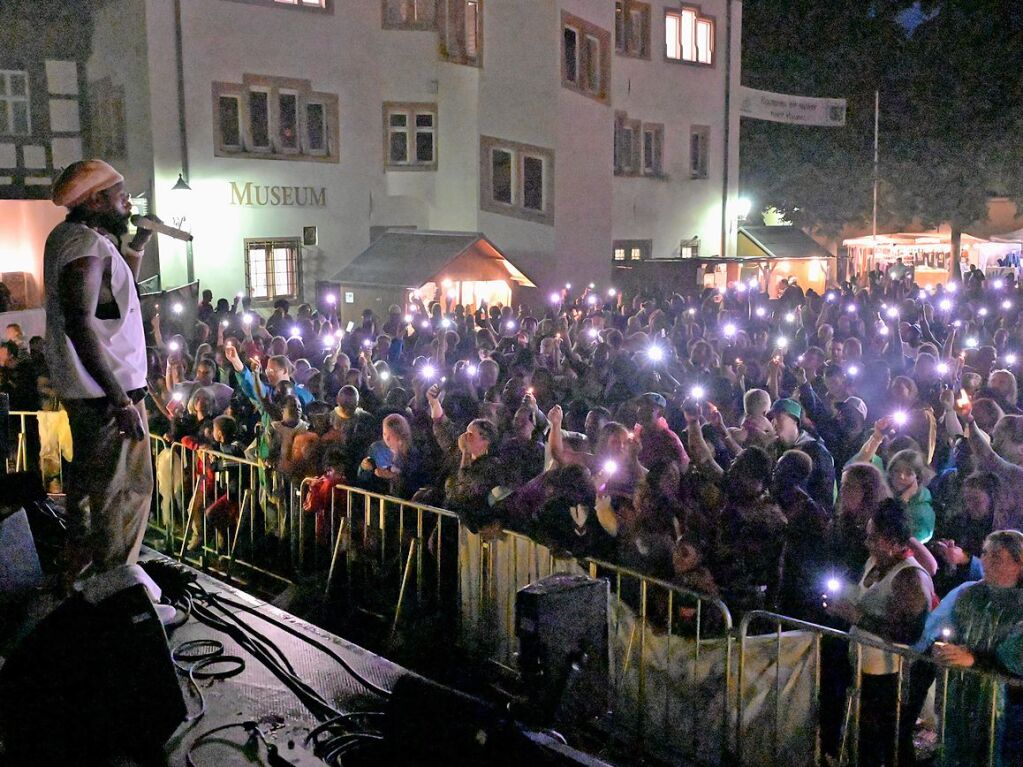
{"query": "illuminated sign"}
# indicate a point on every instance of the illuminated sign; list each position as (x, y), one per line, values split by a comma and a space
(261, 195)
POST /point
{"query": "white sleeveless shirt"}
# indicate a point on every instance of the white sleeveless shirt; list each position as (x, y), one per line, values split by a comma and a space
(122, 341)
(874, 601)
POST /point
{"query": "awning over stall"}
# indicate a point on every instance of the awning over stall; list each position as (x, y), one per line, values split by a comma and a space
(778, 242)
(405, 259)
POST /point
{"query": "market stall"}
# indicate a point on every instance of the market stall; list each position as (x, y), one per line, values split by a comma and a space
(929, 254)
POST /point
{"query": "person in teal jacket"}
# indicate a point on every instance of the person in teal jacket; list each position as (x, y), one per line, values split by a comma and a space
(980, 625)
(907, 474)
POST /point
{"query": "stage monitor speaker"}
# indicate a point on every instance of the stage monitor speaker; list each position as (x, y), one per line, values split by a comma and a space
(429, 724)
(562, 627)
(21, 488)
(20, 571)
(91, 681)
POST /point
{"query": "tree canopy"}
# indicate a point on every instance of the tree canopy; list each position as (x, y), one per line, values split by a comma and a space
(951, 99)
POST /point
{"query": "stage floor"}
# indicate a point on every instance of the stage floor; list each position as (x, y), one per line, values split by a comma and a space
(256, 694)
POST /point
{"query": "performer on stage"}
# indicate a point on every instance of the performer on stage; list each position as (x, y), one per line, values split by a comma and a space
(96, 352)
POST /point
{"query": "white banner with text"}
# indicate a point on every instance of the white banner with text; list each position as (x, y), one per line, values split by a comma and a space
(796, 110)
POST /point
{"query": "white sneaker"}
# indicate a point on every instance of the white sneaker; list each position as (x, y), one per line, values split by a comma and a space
(166, 613)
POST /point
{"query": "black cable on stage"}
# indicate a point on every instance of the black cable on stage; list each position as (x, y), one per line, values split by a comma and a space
(347, 743)
(371, 686)
(269, 645)
(194, 657)
(355, 715)
(205, 605)
(252, 728)
(306, 694)
(309, 697)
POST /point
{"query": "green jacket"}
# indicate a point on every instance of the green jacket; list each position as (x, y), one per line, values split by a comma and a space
(921, 515)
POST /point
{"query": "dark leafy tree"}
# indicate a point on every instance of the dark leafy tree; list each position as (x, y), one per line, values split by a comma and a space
(951, 106)
(960, 142)
(819, 177)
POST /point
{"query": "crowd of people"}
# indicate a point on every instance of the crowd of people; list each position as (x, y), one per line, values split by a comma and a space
(853, 458)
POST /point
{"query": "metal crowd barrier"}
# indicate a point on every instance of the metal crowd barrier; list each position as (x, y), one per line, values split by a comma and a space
(670, 646)
(394, 556)
(949, 683)
(21, 440)
(226, 513)
(672, 649)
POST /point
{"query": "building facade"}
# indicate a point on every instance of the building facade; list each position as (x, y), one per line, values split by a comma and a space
(43, 117)
(573, 133)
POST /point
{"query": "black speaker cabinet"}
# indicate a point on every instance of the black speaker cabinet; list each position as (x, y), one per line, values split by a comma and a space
(428, 724)
(20, 570)
(562, 627)
(89, 682)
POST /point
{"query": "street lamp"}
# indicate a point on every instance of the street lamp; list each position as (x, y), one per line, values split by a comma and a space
(743, 205)
(181, 186)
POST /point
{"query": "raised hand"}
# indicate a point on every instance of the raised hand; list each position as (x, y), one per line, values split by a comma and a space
(555, 417)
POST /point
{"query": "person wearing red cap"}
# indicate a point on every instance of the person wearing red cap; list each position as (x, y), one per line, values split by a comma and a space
(96, 351)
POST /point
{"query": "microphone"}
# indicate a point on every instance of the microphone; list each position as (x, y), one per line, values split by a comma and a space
(155, 226)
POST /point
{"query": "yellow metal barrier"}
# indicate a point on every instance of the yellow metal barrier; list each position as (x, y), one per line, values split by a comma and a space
(750, 740)
(671, 647)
